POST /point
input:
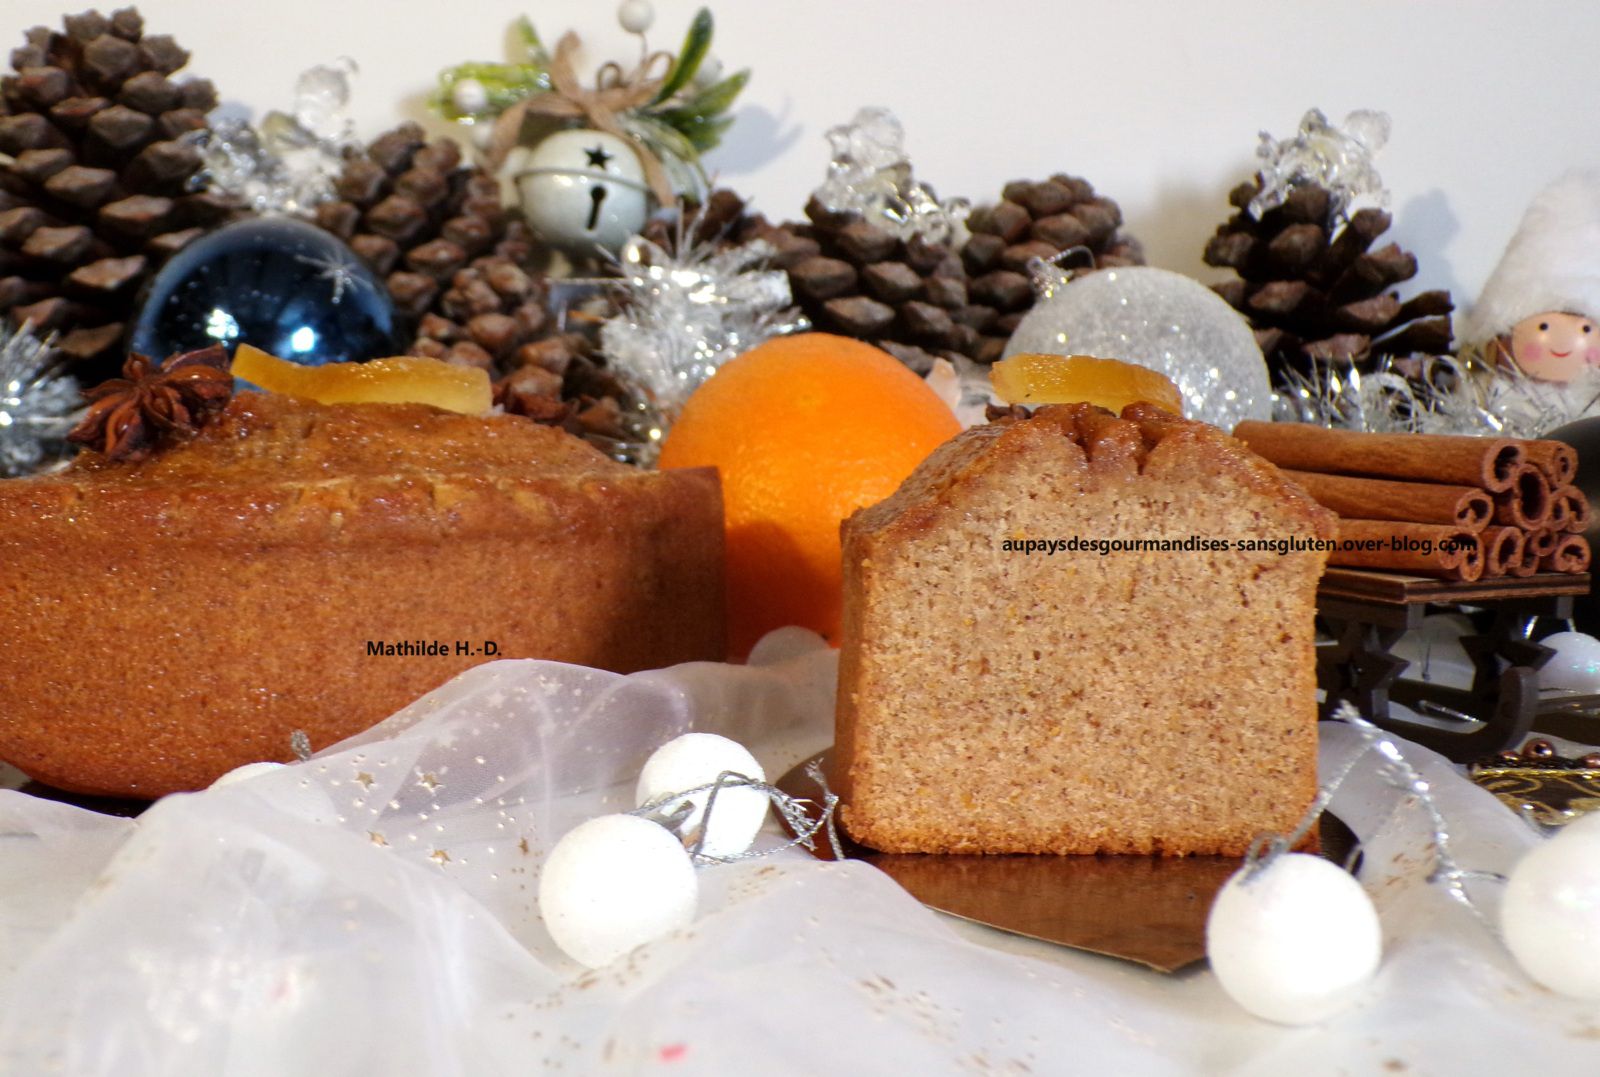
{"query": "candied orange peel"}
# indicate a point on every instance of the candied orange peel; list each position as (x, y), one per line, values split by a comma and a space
(1031, 379)
(404, 379)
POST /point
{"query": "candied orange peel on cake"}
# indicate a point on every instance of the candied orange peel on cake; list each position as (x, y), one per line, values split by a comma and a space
(1033, 379)
(402, 379)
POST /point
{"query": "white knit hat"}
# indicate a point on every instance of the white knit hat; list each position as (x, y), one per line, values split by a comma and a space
(1551, 264)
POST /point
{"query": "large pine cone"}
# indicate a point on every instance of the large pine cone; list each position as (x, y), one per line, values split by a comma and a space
(908, 297)
(97, 191)
(1037, 220)
(1315, 293)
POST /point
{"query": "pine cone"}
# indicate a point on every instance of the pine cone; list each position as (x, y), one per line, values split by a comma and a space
(491, 313)
(96, 193)
(1312, 292)
(908, 297)
(1037, 220)
(723, 222)
(563, 384)
(417, 217)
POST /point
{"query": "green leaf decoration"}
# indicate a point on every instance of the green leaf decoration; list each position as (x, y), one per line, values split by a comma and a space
(683, 119)
(528, 37)
(718, 97)
(701, 118)
(504, 84)
(674, 149)
(696, 43)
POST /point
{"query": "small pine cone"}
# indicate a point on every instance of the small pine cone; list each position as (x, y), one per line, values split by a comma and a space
(1313, 290)
(910, 297)
(418, 217)
(96, 177)
(1036, 220)
(487, 314)
(563, 384)
(536, 393)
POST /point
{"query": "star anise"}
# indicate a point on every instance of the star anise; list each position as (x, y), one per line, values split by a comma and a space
(127, 416)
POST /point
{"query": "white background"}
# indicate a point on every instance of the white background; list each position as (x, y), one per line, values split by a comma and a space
(1157, 102)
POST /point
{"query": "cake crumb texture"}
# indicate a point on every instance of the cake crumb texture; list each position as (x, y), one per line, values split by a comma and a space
(992, 701)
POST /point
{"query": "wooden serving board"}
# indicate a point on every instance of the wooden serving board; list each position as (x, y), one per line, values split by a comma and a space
(1150, 910)
(1394, 588)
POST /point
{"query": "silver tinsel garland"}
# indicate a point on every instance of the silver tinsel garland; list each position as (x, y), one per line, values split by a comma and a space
(683, 316)
(1436, 394)
(38, 404)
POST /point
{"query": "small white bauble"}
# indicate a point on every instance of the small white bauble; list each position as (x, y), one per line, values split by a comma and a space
(613, 884)
(1550, 913)
(636, 16)
(697, 759)
(581, 190)
(469, 95)
(1575, 667)
(246, 772)
(1295, 942)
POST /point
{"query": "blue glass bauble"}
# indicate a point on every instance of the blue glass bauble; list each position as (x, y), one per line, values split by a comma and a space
(285, 286)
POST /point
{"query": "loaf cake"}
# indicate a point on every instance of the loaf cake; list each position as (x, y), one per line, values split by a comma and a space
(999, 698)
(298, 566)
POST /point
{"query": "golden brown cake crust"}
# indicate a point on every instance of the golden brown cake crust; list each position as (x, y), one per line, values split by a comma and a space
(171, 619)
(1131, 702)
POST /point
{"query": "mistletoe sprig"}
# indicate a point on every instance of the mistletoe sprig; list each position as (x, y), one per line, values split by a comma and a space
(673, 109)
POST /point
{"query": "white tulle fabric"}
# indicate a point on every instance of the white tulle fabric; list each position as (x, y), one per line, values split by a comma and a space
(372, 911)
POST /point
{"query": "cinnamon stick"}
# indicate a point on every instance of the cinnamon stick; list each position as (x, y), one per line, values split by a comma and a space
(1557, 459)
(1489, 463)
(1576, 504)
(1449, 553)
(1560, 514)
(1571, 554)
(1502, 550)
(1542, 543)
(1527, 503)
(1465, 507)
(1528, 564)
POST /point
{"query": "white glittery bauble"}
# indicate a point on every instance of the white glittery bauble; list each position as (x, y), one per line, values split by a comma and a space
(1575, 667)
(613, 884)
(1164, 321)
(1295, 941)
(1551, 912)
(696, 759)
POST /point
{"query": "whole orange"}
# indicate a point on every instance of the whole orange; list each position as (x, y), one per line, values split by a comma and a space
(805, 430)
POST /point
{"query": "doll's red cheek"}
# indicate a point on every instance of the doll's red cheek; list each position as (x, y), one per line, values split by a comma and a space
(1530, 353)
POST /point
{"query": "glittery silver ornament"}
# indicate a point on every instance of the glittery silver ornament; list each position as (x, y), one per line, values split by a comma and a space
(685, 315)
(1161, 320)
(870, 174)
(38, 404)
(1338, 158)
